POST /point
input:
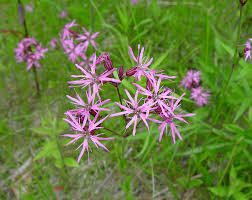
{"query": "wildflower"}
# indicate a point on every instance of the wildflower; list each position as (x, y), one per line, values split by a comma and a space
(158, 96)
(169, 118)
(199, 96)
(63, 14)
(141, 69)
(191, 80)
(53, 42)
(85, 109)
(29, 8)
(133, 2)
(139, 112)
(86, 131)
(91, 78)
(67, 33)
(73, 50)
(88, 38)
(30, 52)
(86, 62)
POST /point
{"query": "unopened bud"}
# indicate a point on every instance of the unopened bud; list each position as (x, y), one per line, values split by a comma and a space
(158, 109)
(131, 71)
(149, 85)
(121, 73)
(107, 62)
(242, 3)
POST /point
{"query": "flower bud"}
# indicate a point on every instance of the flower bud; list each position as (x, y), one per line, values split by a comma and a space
(242, 3)
(107, 62)
(121, 73)
(149, 85)
(131, 71)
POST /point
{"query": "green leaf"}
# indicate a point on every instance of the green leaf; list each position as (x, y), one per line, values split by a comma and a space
(195, 183)
(47, 150)
(240, 196)
(220, 191)
(71, 162)
(245, 104)
(42, 130)
(160, 59)
(128, 86)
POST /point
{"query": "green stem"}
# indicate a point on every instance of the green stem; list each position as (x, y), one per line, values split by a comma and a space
(36, 79)
(234, 63)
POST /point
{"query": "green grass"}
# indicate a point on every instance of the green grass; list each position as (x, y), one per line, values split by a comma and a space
(214, 160)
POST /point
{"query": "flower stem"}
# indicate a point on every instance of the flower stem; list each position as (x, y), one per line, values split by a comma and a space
(234, 63)
(36, 80)
(26, 36)
(235, 60)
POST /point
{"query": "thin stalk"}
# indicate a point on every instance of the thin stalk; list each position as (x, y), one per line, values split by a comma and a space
(234, 63)
(36, 80)
(33, 68)
(235, 60)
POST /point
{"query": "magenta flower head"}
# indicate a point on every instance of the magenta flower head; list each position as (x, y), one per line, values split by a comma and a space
(142, 63)
(30, 52)
(29, 8)
(158, 96)
(53, 42)
(85, 109)
(135, 111)
(87, 38)
(199, 96)
(168, 119)
(191, 80)
(90, 77)
(63, 14)
(85, 131)
(86, 62)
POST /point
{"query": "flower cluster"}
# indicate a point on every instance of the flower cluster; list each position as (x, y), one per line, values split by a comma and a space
(191, 81)
(150, 103)
(76, 44)
(30, 52)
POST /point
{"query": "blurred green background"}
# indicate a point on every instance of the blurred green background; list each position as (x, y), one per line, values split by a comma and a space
(214, 161)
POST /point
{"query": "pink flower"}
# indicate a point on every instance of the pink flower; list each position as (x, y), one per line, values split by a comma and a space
(133, 2)
(30, 52)
(158, 97)
(85, 109)
(86, 62)
(73, 50)
(141, 69)
(87, 38)
(53, 42)
(29, 8)
(63, 14)
(138, 112)
(67, 33)
(191, 80)
(40, 52)
(91, 78)
(169, 120)
(199, 96)
(85, 131)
